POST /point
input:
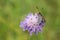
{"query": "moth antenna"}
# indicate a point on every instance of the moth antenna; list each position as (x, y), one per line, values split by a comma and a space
(44, 19)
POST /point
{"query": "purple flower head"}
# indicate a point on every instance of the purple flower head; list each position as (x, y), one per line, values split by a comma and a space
(33, 23)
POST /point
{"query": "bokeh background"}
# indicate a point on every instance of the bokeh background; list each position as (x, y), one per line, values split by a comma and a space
(13, 11)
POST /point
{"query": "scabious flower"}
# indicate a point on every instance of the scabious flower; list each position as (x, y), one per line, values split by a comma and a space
(33, 23)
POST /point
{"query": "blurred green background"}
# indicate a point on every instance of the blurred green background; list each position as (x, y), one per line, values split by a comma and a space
(13, 11)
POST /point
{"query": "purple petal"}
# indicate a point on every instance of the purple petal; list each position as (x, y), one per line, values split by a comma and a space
(36, 32)
(39, 29)
(21, 24)
(33, 29)
(31, 32)
(30, 29)
(25, 27)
